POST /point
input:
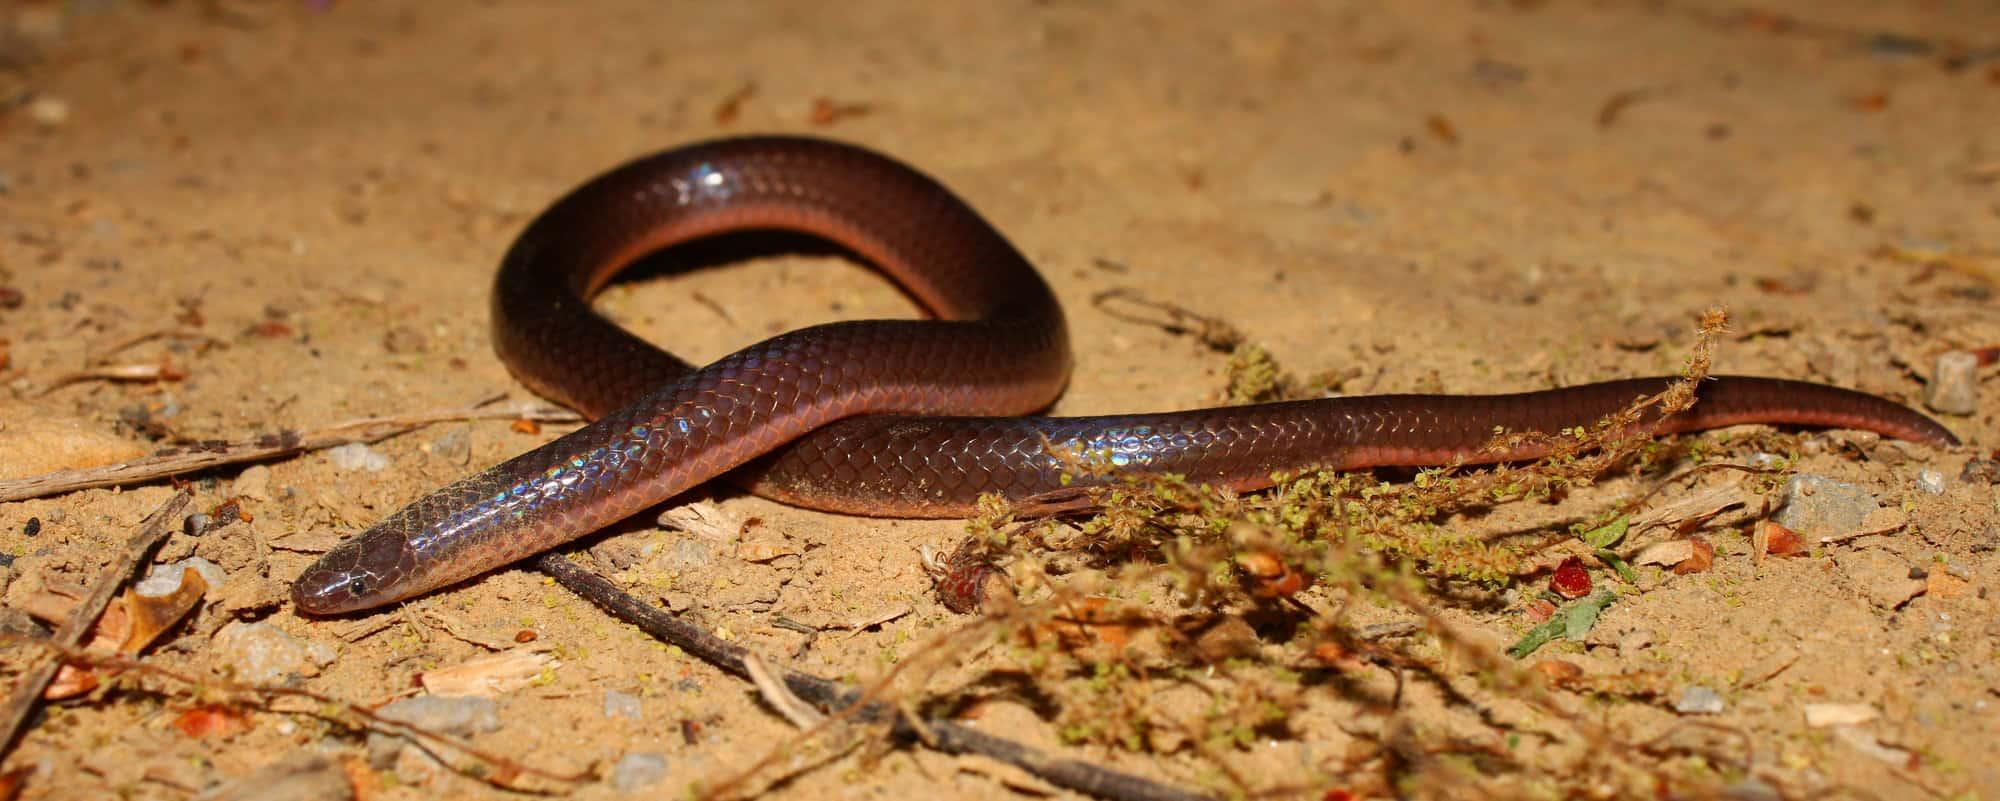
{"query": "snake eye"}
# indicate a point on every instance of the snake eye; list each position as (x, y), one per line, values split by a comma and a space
(357, 586)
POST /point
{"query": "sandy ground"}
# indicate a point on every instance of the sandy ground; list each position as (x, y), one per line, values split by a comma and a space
(1437, 196)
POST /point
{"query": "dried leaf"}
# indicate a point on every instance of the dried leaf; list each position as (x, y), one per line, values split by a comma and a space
(212, 720)
(151, 615)
(74, 680)
(1558, 672)
(1091, 625)
(1269, 576)
(1699, 561)
(1773, 539)
(13, 781)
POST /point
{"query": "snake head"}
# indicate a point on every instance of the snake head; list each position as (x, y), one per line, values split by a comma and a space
(368, 570)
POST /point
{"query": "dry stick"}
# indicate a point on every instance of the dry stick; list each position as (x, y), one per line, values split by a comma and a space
(151, 533)
(206, 455)
(948, 736)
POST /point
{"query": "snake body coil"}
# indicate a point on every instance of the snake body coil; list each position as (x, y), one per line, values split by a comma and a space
(892, 418)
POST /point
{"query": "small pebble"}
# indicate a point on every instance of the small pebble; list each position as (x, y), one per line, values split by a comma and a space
(1954, 387)
(462, 715)
(1819, 506)
(197, 524)
(265, 654)
(1980, 470)
(49, 112)
(688, 553)
(635, 772)
(254, 482)
(164, 580)
(1931, 481)
(621, 704)
(404, 339)
(17, 622)
(1699, 700)
(33, 528)
(455, 446)
(357, 456)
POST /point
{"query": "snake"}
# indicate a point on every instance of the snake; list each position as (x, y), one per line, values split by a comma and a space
(896, 418)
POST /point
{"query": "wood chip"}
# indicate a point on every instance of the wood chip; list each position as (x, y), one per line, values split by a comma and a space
(780, 697)
(703, 519)
(761, 552)
(1670, 552)
(1700, 505)
(489, 676)
(1820, 716)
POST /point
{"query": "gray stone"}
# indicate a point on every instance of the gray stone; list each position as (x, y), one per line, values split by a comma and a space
(356, 456)
(1818, 506)
(455, 446)
(264, 654)
(1954, 387)
(164, 580)
(254, 483)
(461, 716)
(622, 704)
(638, 771)
(687, 553)
(1931, 481)
(1699, 700)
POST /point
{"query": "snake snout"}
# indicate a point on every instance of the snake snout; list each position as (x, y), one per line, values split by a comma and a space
(350, 577)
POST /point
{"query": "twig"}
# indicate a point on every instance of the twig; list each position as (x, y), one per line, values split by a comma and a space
(151, 533)
(216, 453)
(780, 697)
(1214, 332)
(950, 737)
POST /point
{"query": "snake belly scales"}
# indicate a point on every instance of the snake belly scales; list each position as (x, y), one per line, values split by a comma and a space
(913, 418)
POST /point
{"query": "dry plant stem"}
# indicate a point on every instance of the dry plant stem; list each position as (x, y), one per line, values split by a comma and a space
(497, 770)
(207, 455)
(948, 736)
(151, 533)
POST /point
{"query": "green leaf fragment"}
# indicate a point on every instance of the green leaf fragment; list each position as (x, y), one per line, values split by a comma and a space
(1609, 534)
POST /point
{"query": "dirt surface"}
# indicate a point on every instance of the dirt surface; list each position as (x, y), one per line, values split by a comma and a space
(1433, 196)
